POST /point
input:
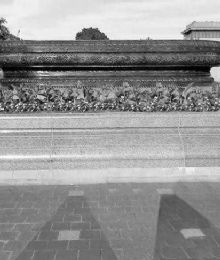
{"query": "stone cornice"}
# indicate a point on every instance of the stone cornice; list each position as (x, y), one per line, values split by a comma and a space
(208, 59)
(110, 46)
(148, 53)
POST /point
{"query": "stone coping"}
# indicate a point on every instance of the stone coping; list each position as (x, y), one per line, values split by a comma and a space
(110, 46)
(110, 120)
(110, 175)
(127, 54)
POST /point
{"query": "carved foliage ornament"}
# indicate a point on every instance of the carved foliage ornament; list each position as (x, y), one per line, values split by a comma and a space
(81, 98)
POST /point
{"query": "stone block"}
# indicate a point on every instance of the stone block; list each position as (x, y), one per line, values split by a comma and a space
(90, 254)
(173, 253)
(57, 245)
(80, 225)
(25, 255)
(200, 120)
(61, 226)
(66, 254)
(48, 235)
(90, 234)
(8, 235)
(99, 244)
(25, 122)
(44, 255)
(192, 233)
(79, 244)
(37, 245)
(69, 235)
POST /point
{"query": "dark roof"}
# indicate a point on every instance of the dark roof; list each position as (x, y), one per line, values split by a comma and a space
(200, 26)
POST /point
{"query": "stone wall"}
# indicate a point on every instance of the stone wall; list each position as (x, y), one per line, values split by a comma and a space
(56, 148)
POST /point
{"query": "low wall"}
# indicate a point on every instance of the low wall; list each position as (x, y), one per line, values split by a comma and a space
(57, 148)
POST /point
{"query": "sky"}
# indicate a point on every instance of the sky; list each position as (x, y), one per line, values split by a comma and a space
(118, 19)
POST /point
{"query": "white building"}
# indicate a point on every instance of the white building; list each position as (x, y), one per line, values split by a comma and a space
(204, 31)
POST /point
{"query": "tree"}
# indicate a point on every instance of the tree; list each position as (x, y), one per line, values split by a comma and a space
(91, 34)
(4, 31)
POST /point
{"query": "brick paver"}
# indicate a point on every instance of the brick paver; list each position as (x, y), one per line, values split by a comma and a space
(183, 233)
(110, 222)
(53, 240)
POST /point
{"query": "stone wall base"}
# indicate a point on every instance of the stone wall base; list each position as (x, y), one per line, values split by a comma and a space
(110, 175)
(109, 147)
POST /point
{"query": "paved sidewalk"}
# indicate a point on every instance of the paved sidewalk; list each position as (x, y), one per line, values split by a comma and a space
(110, 222)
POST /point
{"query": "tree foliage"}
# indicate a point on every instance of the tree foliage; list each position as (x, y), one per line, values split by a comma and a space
(4, 31)
(91, 34)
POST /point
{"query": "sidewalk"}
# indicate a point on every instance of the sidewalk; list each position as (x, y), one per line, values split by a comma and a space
(110, 222)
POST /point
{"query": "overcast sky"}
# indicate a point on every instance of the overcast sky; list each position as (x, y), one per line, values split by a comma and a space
(119, 19)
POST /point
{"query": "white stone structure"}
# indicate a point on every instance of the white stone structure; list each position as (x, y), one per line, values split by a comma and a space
(204, 31)
(1, 73)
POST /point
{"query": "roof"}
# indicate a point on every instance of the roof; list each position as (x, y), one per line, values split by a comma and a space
(206, 25)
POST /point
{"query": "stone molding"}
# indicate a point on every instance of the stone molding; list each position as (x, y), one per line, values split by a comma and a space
(101, 60)
(110, 46)
(110, 53)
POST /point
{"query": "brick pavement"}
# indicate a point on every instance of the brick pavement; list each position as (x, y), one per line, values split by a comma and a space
(183, 233)
(110, 222)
